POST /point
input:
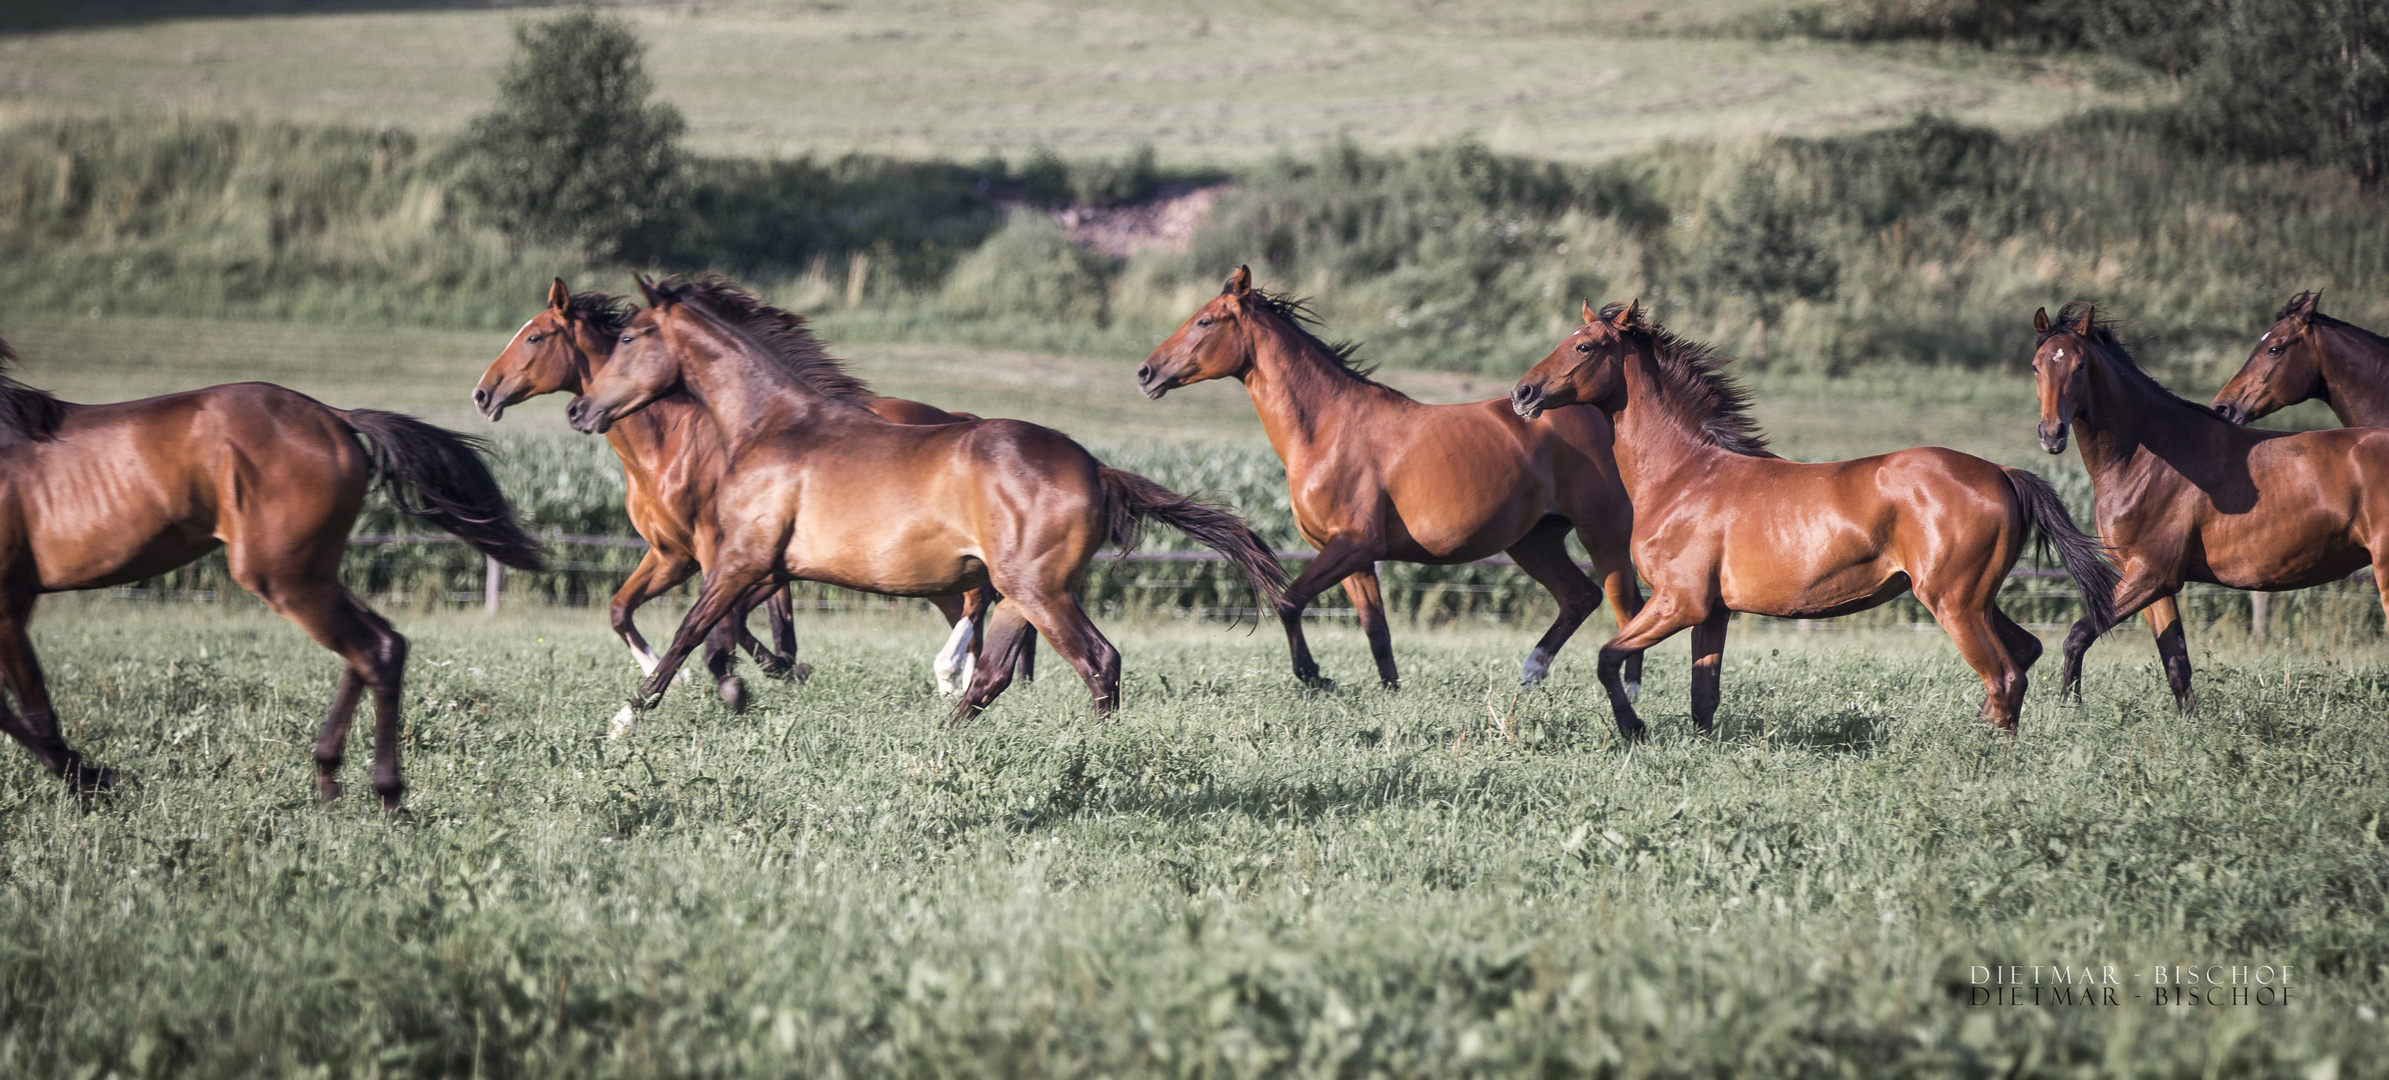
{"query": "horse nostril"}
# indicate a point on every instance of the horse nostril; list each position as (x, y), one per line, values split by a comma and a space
(1144, 373)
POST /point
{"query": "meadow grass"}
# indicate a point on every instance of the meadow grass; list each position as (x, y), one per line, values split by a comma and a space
(1230, 877)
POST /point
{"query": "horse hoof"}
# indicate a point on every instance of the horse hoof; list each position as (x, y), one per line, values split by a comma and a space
(1315, 681)
(327, 791)
(799, 672)
(88, 781)
(1634, 691)
(398, 815)
(734, 693)
(624, 723)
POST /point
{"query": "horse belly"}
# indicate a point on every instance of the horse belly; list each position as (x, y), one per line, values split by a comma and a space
(1806, 585)
(905, 562)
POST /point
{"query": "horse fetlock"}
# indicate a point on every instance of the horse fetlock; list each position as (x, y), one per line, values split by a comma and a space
(624, 723)
(734, 693)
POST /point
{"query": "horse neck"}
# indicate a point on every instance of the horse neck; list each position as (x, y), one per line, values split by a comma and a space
(2355, 364)
(2128, 413)
(1654, 438)
(748, 396)
(1302, 399)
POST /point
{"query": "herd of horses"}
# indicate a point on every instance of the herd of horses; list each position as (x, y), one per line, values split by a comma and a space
(754, 458)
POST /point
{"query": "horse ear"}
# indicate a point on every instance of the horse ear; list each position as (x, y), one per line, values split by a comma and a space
(1630, 316)
(656, 298)
(2082, 321)
(1589, 314)
(558, 297)
(1239, 283)
(2040, 320)
(2307, 306)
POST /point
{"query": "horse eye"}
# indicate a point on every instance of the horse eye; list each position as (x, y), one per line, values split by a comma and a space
(626, 338)
(1584, 346)
(2274, 351)
(1203, 322)
(532, 339)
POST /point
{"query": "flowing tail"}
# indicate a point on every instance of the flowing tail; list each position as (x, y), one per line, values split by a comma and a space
(449, 485)
(2085, 559)
(1129, 499)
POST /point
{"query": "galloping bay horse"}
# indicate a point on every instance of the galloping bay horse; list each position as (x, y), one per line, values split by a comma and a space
(99, 495)
(672, 459)
(1377, 475)
(2307, 355)
(825, 490)
(1723, 525)
(2185, 495)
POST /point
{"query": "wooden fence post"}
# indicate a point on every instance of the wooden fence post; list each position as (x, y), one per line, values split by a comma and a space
(2258, 602)
(493, 581)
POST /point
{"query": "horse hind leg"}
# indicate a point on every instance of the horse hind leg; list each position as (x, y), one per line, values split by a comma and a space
(1543, 554)
(36, 726)
(375, 657)
(2024, 645)
(1368, 601)
(1056, 614)
(2173, 648)
(1974, 628)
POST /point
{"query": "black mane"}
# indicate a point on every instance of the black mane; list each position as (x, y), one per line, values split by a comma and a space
(1296, 310)
(781, 333)
(605, 313)
(1697, 383)
(26, 414)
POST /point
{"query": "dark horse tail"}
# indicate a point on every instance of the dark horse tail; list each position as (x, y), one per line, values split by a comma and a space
(2084, 557)
(1128, 499)
(437, 475)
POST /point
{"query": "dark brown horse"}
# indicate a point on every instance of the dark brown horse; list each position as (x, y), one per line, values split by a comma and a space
(1377, 475)
(1722, 525)
(2185, 495)
(99, 495)
(2308, 355)
(672, 459)
(824, 490)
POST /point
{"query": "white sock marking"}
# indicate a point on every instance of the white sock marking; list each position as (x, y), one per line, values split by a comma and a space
(954, 658)
(624, 723)
(1537, 665)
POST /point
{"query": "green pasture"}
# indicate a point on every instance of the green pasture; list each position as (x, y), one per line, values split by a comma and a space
(1208, 84)
(1231, 877)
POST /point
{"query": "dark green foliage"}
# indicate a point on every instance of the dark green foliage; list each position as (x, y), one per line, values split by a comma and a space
(911, 219)
(2306, 80)
(574, 152)
(1759, 247)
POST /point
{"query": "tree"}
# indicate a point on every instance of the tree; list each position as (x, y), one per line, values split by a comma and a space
(575, 152)
(1760, 249)
(2303, 79)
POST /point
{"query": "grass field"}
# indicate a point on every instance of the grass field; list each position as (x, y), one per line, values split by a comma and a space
(1230, 878)
(1214, 84)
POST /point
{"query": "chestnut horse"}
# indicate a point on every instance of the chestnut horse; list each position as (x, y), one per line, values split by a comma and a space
(100, 495)
(671, 461)
(1723, 525)
(2185, 495)
(1377, 475)
(825, 490)
(2306, 355)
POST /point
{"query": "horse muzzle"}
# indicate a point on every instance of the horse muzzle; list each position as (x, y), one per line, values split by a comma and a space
(2053, 439)
(490, 405)
(2236, 414)
(1527, 400)
(586, 418)
(1152, 382)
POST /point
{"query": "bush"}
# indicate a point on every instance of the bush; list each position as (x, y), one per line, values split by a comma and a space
(574, 152)
(1029, 271)
(1760, 248)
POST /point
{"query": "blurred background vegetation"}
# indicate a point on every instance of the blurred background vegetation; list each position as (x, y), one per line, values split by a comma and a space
(2235, 157)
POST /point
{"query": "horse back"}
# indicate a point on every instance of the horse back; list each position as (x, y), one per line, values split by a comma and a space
(131, 489)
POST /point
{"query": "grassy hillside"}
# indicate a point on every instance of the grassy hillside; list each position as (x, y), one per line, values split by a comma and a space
(1222, 83)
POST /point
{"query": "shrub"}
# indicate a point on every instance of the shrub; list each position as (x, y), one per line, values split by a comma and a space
(1029, 271)
(574, 152)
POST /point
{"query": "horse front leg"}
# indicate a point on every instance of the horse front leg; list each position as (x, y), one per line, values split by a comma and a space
(1368, 600)
(724, 589)
(1339, 559)
(36, 724)
(1543, 554)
